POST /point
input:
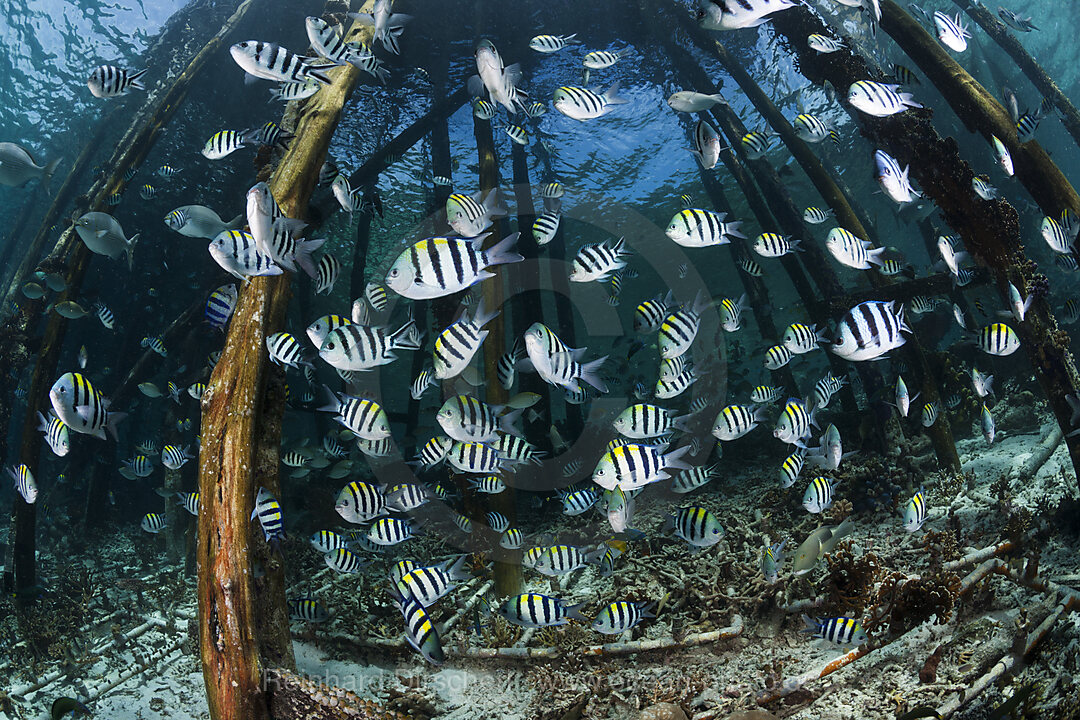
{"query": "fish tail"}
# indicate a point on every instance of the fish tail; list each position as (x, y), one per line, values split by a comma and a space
(131, 250)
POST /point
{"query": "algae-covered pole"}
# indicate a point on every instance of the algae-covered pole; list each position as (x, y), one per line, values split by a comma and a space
(508, 575)
(1045, 84)
(979, 111)
(990, 229)
(241, 435)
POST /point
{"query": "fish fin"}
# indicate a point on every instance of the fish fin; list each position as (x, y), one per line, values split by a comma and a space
(136, 79)
(502, 252)
(114, 419)
(590, 374)
(130, 250)
(612, 95)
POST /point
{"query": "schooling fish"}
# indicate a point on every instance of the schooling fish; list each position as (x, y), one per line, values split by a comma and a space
(870, 330)
(269, 61)
(103, 235)
(879, 99)
(582, 104)
(893, 181)
(737, 14)
(17, 166)
(437, 267)
(109, 81)
(553, 43)
(690, 101)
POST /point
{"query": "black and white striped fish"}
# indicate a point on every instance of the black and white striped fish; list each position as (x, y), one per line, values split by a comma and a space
(318, 330)
(852, 251)
(777, 357)
(694, 227)
(825, 388)
(56, 433)
(270, 61)
(531, 610)
(998, 339)
(424, 380)
(434, 451)
(344, 561)
(428, 584)
(235, 252)
(695, 525)
(288, 92)
(794, 423)
(489, 484)
(893, 180)
(673, 386)
(363, 347)
(952, 33)
(437, 267)
(188, 501)
(707, 145)
(736, 420)
(388, 531)
(545, 227)
(328, 43)
(643, 421)
(738, 14)
(1056, 236)
(507, 365)
(840, 630)
(406, 497)
(791, 467)
(268, 510)
(557, 363)
(879, 99)
(468, 419)
(800, 339)
(553, 43)
(82, 407)
(174, 457)
(680, 328)
(816, 216)
(689, 480)
(517, 451)
(756, 143)
(650, 314)
(562, 559)
(810, 128)
(823, 43)
(222, 143)
(470, 457)
(600, 59)
(376, 295)
(105, 315)
(930, 414)
(109, 81)
(577, 502)
(582, 104)
(774, 245)
(365, 418)
(285, 350)
(456, 346)
(268, 134)
(327, 273)
(596, 262)
(153, 523)
(869, 330)
(137, 466)
(819, 495)
(1016, 22)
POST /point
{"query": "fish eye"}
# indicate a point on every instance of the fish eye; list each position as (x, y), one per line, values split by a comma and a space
(330, 346)
(393, 273)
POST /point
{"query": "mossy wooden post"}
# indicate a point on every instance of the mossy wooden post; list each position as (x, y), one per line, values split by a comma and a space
(508, 575)
(1007, 41)
(242, 621)
(73, 257)
(990, 229)
(980, 111)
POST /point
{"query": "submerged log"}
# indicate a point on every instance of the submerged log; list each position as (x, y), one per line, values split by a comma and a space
(508, 575)
(990, 229)
(242, 621)
(1007, 41)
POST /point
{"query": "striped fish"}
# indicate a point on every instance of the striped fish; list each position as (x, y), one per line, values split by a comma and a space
(472, 457)
(869, 330)
(766, 394)
(791, 467)
(82, 407)
(532, 610)
(55, 432)
(552, 43)
(915, 512)
(285, 350)
(952, 33)
(774, 245)
(738, 14)
(157, 345)
(389, 531)
(511, 539)
(562, 559)
(222, 143)
(269, 134)
(557, 363)
(327, 273)
(706, 145)
(344, 561)
(582, 104)
(325, 541)
(188, 501)
(289, 92)
(470, 215)
(998, 339)
(507, 365)
(220, 306)
(816, 216)
(138, 466)
(810, 128)
(545, 227)
(577, 502)
(365, 418)
(328, 43)
(174, 457)
(671, 387)
(819, 495)
(771, 560)
(794, 422)
(376, 295)
(105, 315)
(777, 357)
(694, 227)
(756, 143)
(904, 76)
(318, 330)
(852, 251)
(468, 419)
(235, 252)
(517, 451)
(642, 421)
(679, 329)
(734, 421)
(823, 43)
(893, 180)
(428, 584)
(406, 497)
(434, 451)
(695, 525)
(750, 266)
(363, 347)
(620, 616)
(437, 267)
(147, 192)
(307, 609)
(456, 346)
(268, 510)
(359, 502)
(632, 466)
(825, 388)
(24, 483)
(1056, 236)
(420, 631)
(692, 479)
(399, 570)
(482, 109)
(800, 339)
(840, 630)
(463, 523)
(489, 484)
(598, 261)
(650, 314)
(600, 59)
(109, 81)
(153, 523)
(270, 61)
(423, 381)
(879, 99)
